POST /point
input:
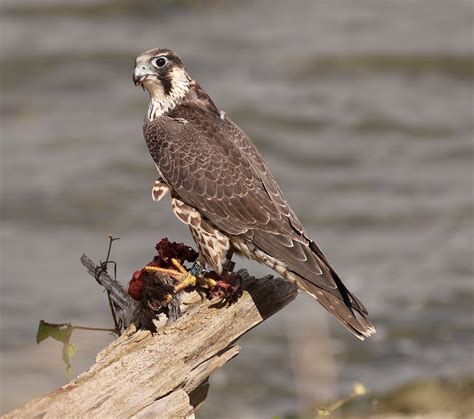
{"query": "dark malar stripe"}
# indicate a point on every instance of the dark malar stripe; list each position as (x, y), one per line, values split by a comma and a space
(166, 82)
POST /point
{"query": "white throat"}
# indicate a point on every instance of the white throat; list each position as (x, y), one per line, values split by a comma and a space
(161, 103)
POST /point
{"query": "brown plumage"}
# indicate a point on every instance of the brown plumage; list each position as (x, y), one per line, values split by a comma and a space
(222, 188)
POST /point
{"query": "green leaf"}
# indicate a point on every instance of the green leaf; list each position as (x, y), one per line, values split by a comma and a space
(69, 350)
(60, 332)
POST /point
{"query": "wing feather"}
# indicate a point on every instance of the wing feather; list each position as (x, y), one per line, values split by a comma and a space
(211, 165)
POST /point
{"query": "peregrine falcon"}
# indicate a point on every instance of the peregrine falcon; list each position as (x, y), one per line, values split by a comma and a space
(221, 187)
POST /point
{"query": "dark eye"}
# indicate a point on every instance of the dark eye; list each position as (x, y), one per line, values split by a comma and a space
(160, 62)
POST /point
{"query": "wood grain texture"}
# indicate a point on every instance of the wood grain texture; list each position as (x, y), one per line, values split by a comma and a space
(141, 375)
(123, 303)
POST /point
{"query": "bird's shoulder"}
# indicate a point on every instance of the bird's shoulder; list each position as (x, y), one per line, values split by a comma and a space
(205, 156)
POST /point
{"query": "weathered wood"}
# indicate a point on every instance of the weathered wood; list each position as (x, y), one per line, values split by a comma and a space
(123, 303)
(166, 374)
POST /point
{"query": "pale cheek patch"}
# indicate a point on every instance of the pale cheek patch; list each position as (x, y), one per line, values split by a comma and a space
(162, 103)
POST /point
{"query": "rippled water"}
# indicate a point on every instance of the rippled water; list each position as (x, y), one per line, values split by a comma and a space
(363, 111)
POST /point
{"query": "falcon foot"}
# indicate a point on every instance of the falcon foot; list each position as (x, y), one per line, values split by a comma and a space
(228, 288)
(185, 279)
(179, 273)
(156, 286)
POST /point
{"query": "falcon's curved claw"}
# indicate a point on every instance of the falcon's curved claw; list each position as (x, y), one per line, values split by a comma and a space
(185, 278)
(229, 289)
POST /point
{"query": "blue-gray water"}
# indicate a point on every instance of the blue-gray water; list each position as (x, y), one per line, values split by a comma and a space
(363, 110)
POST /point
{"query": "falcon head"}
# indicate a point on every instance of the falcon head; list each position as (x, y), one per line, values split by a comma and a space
(161, 72)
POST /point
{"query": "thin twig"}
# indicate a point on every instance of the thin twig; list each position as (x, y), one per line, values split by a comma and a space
(94, 329)
(99, 271)
(124, 304)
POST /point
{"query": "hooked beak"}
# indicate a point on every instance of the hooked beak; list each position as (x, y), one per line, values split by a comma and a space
(139, 75)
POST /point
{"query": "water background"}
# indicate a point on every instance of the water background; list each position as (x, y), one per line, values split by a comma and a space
(363, 110)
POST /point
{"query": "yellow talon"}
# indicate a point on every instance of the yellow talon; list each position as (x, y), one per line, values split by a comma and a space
(178, 266)
(188, 281)
(168, 298)
(208, 282)
(202, 281)
(183, 276)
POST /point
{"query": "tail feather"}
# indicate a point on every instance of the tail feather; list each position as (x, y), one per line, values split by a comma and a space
(353, 320)
(306, 265)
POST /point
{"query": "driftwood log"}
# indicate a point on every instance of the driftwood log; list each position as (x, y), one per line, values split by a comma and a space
(163, 375)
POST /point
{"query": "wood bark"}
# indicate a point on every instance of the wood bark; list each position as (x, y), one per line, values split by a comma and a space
(141, 375)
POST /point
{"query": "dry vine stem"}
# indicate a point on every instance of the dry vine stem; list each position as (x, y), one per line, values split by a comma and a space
(163, 375)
